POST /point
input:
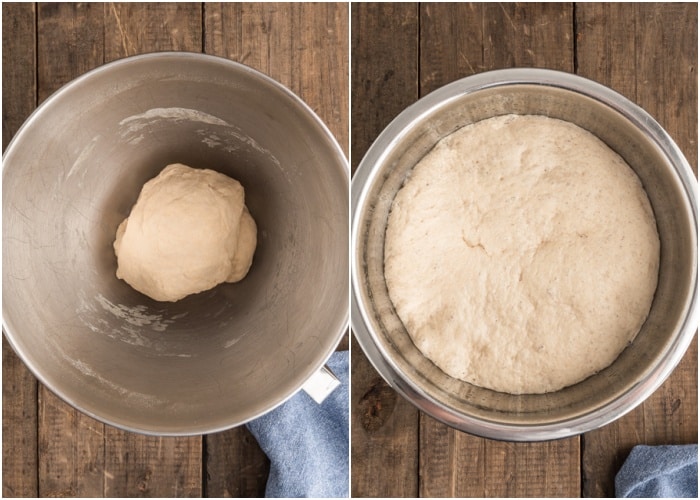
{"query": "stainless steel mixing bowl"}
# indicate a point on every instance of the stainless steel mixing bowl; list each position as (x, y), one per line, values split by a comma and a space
(212, 360)
(671, 187)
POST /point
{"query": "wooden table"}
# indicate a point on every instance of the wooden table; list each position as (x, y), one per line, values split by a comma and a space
(401, 52)
(50, 449)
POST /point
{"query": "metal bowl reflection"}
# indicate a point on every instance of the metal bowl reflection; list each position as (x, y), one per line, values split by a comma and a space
(670, 185)
(212, 360)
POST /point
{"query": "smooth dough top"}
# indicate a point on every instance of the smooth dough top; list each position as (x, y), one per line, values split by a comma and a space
(522, 254)
(188, 231)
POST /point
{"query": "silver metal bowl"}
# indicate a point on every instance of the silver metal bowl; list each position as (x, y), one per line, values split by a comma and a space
(215, 359)
(671, 187)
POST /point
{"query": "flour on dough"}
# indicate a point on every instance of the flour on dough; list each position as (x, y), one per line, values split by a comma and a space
(188, 231)
(522, 254)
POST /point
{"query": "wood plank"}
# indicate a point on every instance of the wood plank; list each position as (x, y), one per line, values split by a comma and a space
(137, 28)
(321, 62)
(257, 35)
(605, 45)
(666, 39)
(71, 450)
(327, 50)
(384, 426)
(384, 435)
(70, 43)
(19, 387)
(647, 52)
(236, 467)
(542, 469)
(151, 466)
(461, 39)
(457, 464)
(304, 47)
(384, 69)
(138, 465)
(669, 416)
(671, 413)
(528, 35)
(451, 43)
(458, 40)
(71, 445)
(19, 67)
(19, 427)
(284, 41)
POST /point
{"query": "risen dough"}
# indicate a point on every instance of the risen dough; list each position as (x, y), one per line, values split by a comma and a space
(521, 254)
(188, 231)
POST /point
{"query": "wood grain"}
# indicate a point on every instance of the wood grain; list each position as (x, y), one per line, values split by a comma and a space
(384, 79)
(19, 387)
(152, 466)
(458, 40)
(19, 80)
(384, 426)
(71, 450)
(19, 427)
(64, 452)
(236, 467)
(304, 46)
(321, 75)
(457, 464)
(666, 41)
(451, 43)
(669, 416)
(647, 52)
(137, 28)
(400, 52)
(69, 43)
(528, 35)
(384, 435)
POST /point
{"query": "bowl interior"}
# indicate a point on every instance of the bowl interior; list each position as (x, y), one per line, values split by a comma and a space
(676, 275)
(211, 360)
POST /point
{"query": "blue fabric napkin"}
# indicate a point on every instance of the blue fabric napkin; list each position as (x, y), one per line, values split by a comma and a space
(307, 443)
(669, 471)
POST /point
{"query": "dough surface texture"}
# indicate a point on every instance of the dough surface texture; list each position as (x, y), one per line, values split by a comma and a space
(188, 231)
(521, 254)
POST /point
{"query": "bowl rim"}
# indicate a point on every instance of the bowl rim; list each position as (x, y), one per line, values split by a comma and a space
(366, 175)
(180, 57)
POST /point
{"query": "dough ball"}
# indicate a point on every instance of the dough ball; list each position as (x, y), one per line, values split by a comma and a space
(247, 240)
(521, 254)
(188, 231)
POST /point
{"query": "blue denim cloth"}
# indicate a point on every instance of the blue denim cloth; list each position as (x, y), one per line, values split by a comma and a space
(307, 443)
(669, 471)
